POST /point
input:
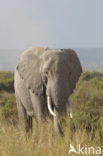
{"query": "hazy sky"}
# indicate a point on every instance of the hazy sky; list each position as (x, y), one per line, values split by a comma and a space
(53, 23)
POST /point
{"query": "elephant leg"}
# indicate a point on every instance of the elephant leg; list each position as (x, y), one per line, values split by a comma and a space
(25, 121)
(29, 124)
(38, 106)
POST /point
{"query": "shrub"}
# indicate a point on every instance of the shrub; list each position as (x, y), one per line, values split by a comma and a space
(87, 102)
(7, 81)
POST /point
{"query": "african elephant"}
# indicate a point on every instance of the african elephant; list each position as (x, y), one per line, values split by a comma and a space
(44, 80)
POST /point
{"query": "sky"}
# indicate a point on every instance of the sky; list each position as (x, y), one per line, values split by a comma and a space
(52, 23)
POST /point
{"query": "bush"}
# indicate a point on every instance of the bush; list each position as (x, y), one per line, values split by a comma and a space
(7, 81)
(87, 102)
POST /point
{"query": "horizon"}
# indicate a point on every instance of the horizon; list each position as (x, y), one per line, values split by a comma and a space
(89, 58)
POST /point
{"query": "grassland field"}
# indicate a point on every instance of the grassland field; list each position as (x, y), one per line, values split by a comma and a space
(86, 127)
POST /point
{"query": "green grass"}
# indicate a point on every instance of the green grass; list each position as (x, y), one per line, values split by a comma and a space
(86, 127)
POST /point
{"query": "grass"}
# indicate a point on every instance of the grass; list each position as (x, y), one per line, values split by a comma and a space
(43, 142)
(86, 127)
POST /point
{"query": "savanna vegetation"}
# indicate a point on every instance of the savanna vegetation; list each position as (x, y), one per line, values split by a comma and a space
(86, 127)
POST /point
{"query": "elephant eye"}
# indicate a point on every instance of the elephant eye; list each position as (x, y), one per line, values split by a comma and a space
(45, 77)
(46, 80)
(45, 73)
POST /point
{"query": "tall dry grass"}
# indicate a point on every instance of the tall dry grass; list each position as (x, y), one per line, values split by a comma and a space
(43, 141)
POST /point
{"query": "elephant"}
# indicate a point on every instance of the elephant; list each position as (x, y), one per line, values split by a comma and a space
(44, 79)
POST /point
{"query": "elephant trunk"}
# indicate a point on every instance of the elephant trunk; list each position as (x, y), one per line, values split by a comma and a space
(57, 115)
(55, 112)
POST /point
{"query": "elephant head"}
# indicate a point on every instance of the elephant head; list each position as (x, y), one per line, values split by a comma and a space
(53, 73)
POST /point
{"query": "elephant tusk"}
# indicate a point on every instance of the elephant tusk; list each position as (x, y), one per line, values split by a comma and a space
(70, 109)
(49, 106)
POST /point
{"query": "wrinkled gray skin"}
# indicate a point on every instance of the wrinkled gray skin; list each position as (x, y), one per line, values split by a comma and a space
(43, 72)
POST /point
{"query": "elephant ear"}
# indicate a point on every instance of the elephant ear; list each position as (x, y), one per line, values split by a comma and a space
(74, 68)
(29, 70)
